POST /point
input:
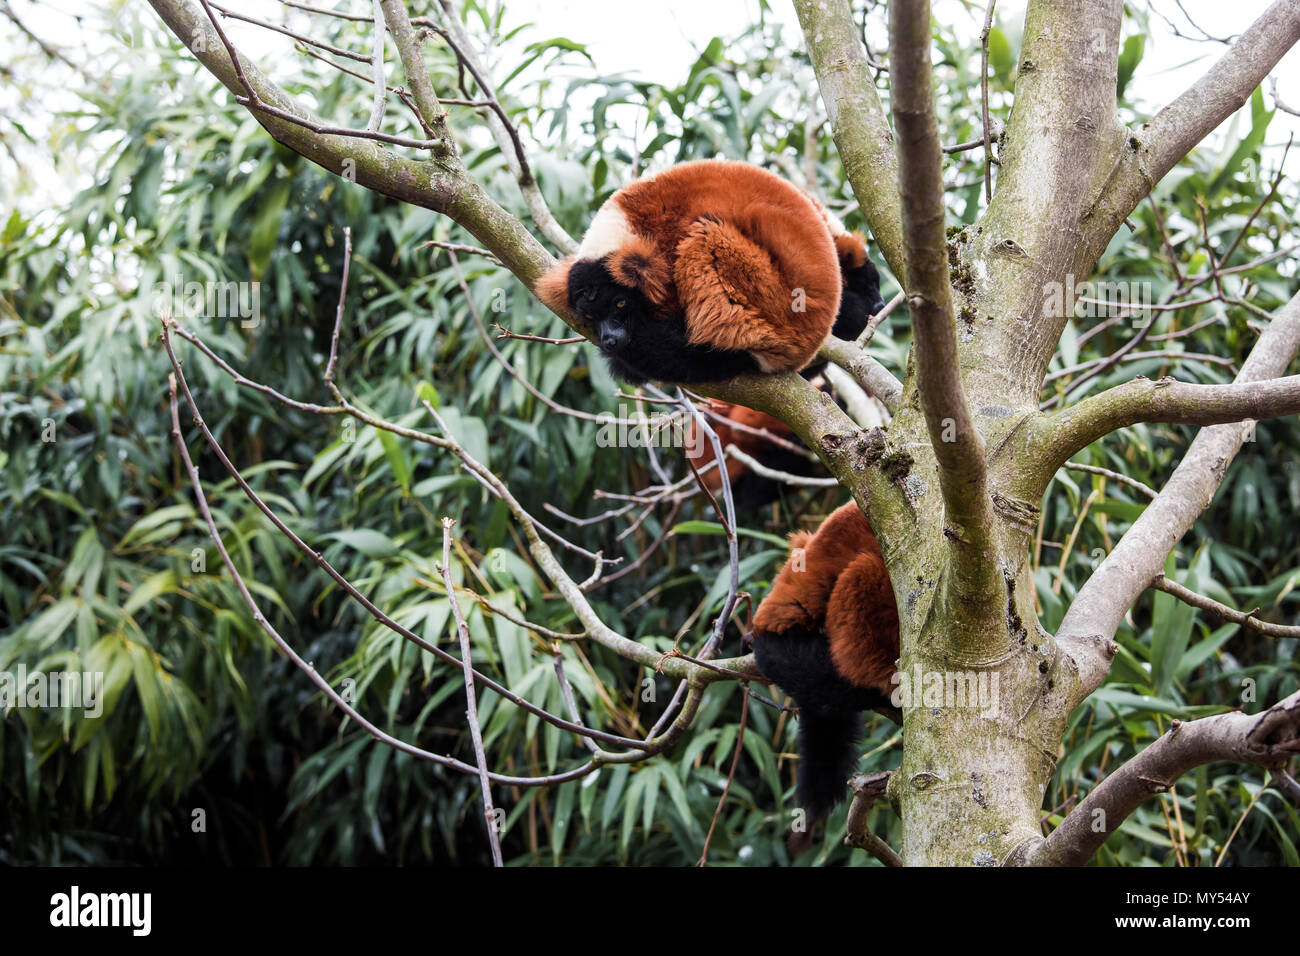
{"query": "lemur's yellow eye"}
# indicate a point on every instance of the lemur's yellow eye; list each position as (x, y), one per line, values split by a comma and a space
(620, 303)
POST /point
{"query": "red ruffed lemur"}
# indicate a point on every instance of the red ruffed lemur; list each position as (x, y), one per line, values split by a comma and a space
(827, 634)
(743, 427)
(710, 269)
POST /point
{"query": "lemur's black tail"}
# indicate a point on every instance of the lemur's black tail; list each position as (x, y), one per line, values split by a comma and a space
(828, 752)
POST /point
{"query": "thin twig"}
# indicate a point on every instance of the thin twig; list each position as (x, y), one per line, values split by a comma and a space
(735, 761)
(471, 704)
(984, 101)
(1246, 619)
(1113, 475)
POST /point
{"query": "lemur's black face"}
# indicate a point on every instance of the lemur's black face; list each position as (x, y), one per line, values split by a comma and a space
(621, 316)
(639, 344)
(869, 280)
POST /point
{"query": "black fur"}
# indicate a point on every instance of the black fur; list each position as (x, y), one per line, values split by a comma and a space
(638, 344)
(860, 299)
(830, 720)
(858, 302)
(751, 490)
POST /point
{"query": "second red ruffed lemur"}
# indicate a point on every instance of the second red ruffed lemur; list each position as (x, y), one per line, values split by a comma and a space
(827, 634)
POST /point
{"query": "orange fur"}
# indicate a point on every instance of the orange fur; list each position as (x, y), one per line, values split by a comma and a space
(553, 287)
(843, 589)
(748, 258)
(862, 624)
(741, 218)
(851, 247)
(639, 264)
(700, 450)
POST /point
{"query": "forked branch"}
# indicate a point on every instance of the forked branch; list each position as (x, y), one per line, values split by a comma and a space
(1087, 632)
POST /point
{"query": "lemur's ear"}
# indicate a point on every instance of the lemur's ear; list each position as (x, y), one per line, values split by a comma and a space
(851, 249)
(639, 264)
(553, 287)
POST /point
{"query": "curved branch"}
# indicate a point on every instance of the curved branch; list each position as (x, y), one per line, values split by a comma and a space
(870, 374)
(866, 790)
(407, 41)
(441, 184)
(507, 138)
(1087, 632)
(1246, 619)
(1268, 739)
(862, 135)
(852, 454)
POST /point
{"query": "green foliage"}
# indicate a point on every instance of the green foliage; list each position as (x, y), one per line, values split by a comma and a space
(106, 567)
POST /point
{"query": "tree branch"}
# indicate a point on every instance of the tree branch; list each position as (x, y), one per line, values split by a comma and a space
(471, 701)
(441, 185)
(850, 453)
(1268, 739)
(870, 374)
(866, 790)
(507, 138)
(1246, 619)
(1086, 634)
(407, 42)
(862, 134)
(1173, 403)
(958, 445)
(1075, 427)
(1177, 128)
(1062, 140)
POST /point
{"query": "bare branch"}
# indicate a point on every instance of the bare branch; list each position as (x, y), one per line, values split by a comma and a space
(866, 790)
(442, 186)
(1175, 130)
(1114, 476)
(306, 666)
(873, 322)
(758, 468)
(276, 28)
(984, 100)
(1087, 632)
(503, 131)
(377, 69)
(1268, 739)
(869, 373)
(1280, 103)
(958, 445)
(849, 452)
(471, 703)
(1246, 619)
(1175, 403)
(569, 589)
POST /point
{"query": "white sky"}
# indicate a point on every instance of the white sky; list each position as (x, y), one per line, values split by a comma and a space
(661, 39)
